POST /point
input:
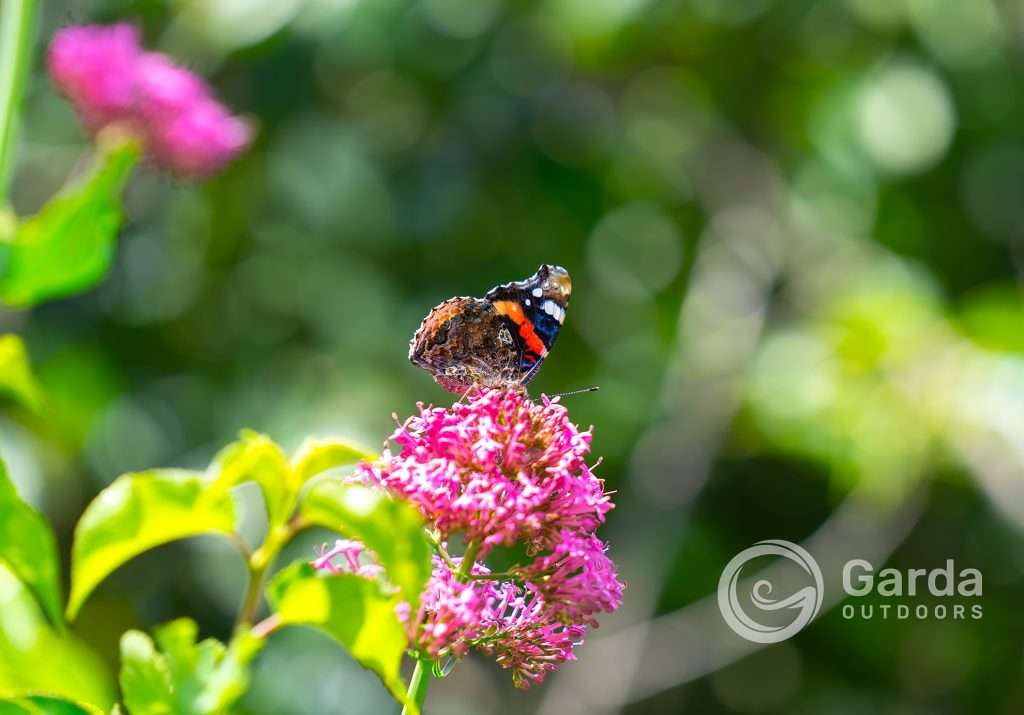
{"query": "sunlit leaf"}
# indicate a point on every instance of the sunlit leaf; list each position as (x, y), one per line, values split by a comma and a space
(255, 457)
(145, 679)
(68, 246)
(45, 705)
(28, 548)
(316, 456)
(391, 528)
(184, 677)
(35, 658)
(16, 378)
(353, 610)
(138, 512)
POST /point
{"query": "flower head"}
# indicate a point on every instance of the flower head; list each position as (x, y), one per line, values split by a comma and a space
(110, 79)
(577, 579)
(498, 468)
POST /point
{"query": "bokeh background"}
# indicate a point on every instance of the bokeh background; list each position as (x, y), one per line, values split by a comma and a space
(796, 236)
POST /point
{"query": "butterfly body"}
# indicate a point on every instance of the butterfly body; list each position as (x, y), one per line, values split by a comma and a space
(499, 340)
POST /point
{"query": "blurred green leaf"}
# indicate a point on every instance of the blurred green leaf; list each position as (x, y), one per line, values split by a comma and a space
(187, 678)
(316, 456)
(145, 679)
(68, 246)
(393, 529)
(16, 378)
(993, 317)
(137, 512)
(353, 610)
(257, 458)
(35, 659)
(45, 705)
(29, 549)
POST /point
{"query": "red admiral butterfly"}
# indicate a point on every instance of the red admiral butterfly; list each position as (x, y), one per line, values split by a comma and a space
(499, 340)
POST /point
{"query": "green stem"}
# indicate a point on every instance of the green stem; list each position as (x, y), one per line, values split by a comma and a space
(418, 686)
(468, 559)
(251, 600)
(421, 674)
(17, 35)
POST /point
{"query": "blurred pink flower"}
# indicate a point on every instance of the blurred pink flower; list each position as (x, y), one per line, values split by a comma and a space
(345, 557)
(498, 468)
(111, 80)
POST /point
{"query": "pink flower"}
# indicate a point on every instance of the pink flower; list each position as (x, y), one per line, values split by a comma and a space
(345, 557)
(106, 74)
(498, 468)
(498, 618)
(452, 613)
(525, 638)
(577, 579)
(90, 64)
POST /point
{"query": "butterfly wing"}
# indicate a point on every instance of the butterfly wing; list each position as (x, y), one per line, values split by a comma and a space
(498, 341)
(465, 342)
(536, 307)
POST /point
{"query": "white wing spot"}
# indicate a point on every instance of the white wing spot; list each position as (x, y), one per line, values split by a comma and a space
(537, 292)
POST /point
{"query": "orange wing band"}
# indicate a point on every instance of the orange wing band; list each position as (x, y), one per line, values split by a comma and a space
(515, 312)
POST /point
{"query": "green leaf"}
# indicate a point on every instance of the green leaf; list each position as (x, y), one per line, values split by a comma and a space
(16, 378)
(28, 548)
(187, 678)
(136, 513)
(353, 610)
(68, 246)
(36, 659)
(45, 705)
(316, 456)
(255, 457)
(393, 529)
(145, 678)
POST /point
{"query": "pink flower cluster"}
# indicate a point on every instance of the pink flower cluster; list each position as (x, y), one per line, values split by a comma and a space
(497, 470)
(111, 80)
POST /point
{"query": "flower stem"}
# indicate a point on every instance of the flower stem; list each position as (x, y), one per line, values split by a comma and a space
(421, 674)
(17, 35)
(468, 559)
(418, 687)
(251, 600)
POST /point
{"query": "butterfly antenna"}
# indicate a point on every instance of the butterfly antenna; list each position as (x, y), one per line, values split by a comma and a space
(592, 388)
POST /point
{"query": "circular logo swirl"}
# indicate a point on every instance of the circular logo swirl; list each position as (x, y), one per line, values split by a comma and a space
(807, 599)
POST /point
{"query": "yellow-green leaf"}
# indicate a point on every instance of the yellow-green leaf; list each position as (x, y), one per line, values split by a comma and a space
(36, 659)
(355, 611)
(45, 705)
(16, 378)
(68, 246)
(136, 513)
(28, 548)
(317, 455)
(393, 529)
(255, 457)
(184, 677)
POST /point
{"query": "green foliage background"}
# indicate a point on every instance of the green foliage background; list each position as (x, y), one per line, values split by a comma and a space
(794, 233)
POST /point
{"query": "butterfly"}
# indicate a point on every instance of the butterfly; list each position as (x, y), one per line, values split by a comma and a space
(499, 340)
